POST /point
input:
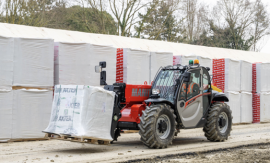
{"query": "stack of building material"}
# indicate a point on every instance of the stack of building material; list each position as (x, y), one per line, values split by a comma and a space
(226, 76)
(246, 92)
(75, 63)
(183, 59)
(6, 94)
(25, 87)
(32, 86)
(261, 91)
(206, 62)
(30, 113)
(6, 114)
(158, 60)
(82, 112)
(135, 67)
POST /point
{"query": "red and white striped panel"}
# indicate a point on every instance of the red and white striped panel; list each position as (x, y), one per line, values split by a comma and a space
(256, 107)
(119, 66)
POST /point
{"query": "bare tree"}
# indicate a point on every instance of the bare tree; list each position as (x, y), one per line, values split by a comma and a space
(238, 15)
(195, 17)
(125, 12)
(261, 24)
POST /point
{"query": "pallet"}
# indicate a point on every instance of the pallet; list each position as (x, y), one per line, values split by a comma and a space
(129, 131)
(27, 88)
(83, 140)
(24, 140)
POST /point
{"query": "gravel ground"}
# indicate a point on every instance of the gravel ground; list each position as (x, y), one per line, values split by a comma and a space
(129, 148)
(246, 154)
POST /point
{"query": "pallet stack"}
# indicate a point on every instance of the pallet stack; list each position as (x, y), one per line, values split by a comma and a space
(26, 87)
(133, 66)
(261, 92)
(226, 78)
(75, 63)
(246, 92)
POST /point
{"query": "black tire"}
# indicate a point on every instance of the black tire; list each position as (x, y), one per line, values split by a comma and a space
(148, 126)
(213, 129)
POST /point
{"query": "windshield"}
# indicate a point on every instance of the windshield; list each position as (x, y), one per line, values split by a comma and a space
(166, 83)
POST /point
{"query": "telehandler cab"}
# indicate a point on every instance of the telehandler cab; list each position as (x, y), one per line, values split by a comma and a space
(181, 97)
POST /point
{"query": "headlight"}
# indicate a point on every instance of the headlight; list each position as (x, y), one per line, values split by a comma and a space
(155, 91)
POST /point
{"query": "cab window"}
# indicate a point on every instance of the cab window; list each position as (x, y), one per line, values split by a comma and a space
(192, 88)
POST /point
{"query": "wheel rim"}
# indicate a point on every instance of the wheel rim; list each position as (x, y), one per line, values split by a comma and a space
(163, 126)
(223, 122)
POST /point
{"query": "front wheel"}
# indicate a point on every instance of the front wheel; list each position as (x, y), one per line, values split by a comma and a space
(219, 122)
(157, 126)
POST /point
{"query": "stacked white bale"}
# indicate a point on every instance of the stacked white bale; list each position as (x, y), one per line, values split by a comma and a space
(183, 59)
(158, 60)
(6, 115)
(30, 112)
(133, 66)
(246, 76)
(265, 107)
(206, 62)
(82, 111)
(235, 105)
(246, 107)
(261, 91)
(103, 53)
(226, 74)
(6, 62)
(75, 63)
(33, 62)
(261, 77)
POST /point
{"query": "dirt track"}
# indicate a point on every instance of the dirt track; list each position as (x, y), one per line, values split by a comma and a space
(129, 147)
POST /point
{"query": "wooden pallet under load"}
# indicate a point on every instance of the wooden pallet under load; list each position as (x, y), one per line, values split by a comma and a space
(77, 139)
(24, 140)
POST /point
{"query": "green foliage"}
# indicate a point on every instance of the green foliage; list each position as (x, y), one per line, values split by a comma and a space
(224, 38)
(81, 19)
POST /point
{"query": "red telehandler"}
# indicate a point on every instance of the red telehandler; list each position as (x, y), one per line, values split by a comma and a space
(181, 97)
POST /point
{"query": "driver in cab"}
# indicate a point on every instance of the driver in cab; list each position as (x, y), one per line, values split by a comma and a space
(192, 90)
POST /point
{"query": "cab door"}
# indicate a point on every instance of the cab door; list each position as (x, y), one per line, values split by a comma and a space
(190, 100)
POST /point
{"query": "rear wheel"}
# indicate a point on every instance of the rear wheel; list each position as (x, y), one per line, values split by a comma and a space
(219, 122)
(157, 126)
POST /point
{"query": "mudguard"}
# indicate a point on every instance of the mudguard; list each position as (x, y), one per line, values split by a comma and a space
(159, 100)
(218, 96)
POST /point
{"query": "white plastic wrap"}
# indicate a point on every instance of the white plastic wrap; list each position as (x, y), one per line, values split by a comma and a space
(82, 111)
(183, 59)
(6, 115)
(136, 66)
(246, 107)
(6, 62)
(234, 103)
(75, 63)
(262, 76)
(226, 74)
(30, 113)
(66, 109)
(246, 76)
(33, 62)
(232, 75)
(97, 113)
(206, 62)
(159, 59)
(265, 107)
(102, 53)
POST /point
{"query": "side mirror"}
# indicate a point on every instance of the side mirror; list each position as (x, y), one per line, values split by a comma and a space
(207, 68)
(186, 76)
(98, 69)
(103, 78)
